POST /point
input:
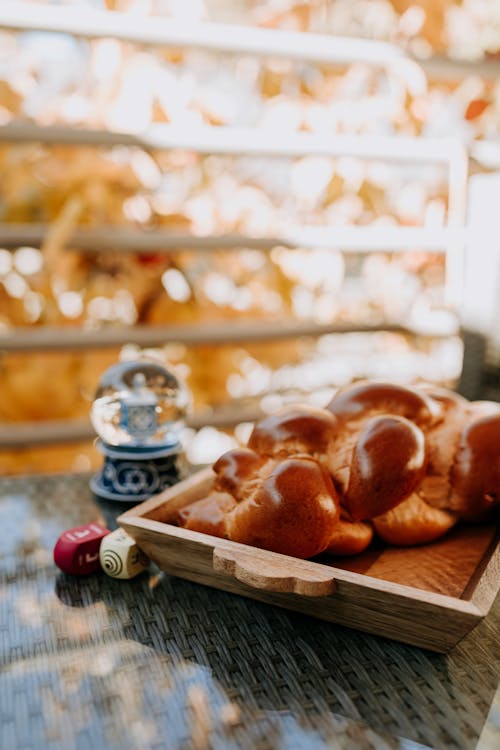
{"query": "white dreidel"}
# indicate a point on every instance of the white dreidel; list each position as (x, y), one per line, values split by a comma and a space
(120, 556)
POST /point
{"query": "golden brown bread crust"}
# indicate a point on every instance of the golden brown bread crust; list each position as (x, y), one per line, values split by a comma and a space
(388, 463)
(299, 429)
(293, 510)
(349, 538)
(475, 476)
(442, 439)
(355, 405)
(413, 522)
(414, 460)
(208, 515)
(234, 469)
(461, 474)
(369, 398)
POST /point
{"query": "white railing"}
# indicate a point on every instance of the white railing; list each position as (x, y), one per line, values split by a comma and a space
(228, 141)
(165, 32)
(50, 432)
(348, 239)
(88, 23)
(236, 141)
(69, 338)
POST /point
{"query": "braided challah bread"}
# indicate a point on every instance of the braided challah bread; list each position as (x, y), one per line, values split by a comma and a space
(399, 462)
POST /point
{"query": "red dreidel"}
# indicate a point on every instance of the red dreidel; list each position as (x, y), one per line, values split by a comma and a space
(77, 550)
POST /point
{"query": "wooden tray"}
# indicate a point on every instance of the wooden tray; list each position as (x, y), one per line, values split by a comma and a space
(429, 596)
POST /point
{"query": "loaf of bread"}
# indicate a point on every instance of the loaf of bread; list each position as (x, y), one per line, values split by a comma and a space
(401, 463)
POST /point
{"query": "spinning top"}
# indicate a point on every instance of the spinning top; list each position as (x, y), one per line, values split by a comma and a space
(121, 557)
(77, 550)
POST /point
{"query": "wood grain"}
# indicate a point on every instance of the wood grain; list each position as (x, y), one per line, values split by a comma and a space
(255, 569)
(444, 567)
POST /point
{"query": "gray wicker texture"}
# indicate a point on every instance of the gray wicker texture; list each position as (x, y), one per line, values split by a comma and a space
(159, 662)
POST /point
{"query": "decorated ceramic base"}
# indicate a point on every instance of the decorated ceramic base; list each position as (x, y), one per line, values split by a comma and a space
(132, 474)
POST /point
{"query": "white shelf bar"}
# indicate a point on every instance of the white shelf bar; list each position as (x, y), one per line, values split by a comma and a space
(52, 432)
(458, 173)
(350, 239)
(234, 141)
(164, 32)
(46, 432)
(440, 68)
(52, 338)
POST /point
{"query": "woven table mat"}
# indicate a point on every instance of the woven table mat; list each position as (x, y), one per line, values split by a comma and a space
(158, 662)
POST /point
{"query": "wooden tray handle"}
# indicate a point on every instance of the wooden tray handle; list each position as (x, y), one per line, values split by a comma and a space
(255, 570)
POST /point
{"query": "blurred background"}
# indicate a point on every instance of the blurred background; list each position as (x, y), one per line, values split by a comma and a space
(271, 198)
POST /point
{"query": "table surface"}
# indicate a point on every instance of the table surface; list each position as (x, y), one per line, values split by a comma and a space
(158, 662)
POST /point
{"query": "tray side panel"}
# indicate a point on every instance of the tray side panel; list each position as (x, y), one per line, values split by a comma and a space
(378, 611)
(485, 583)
